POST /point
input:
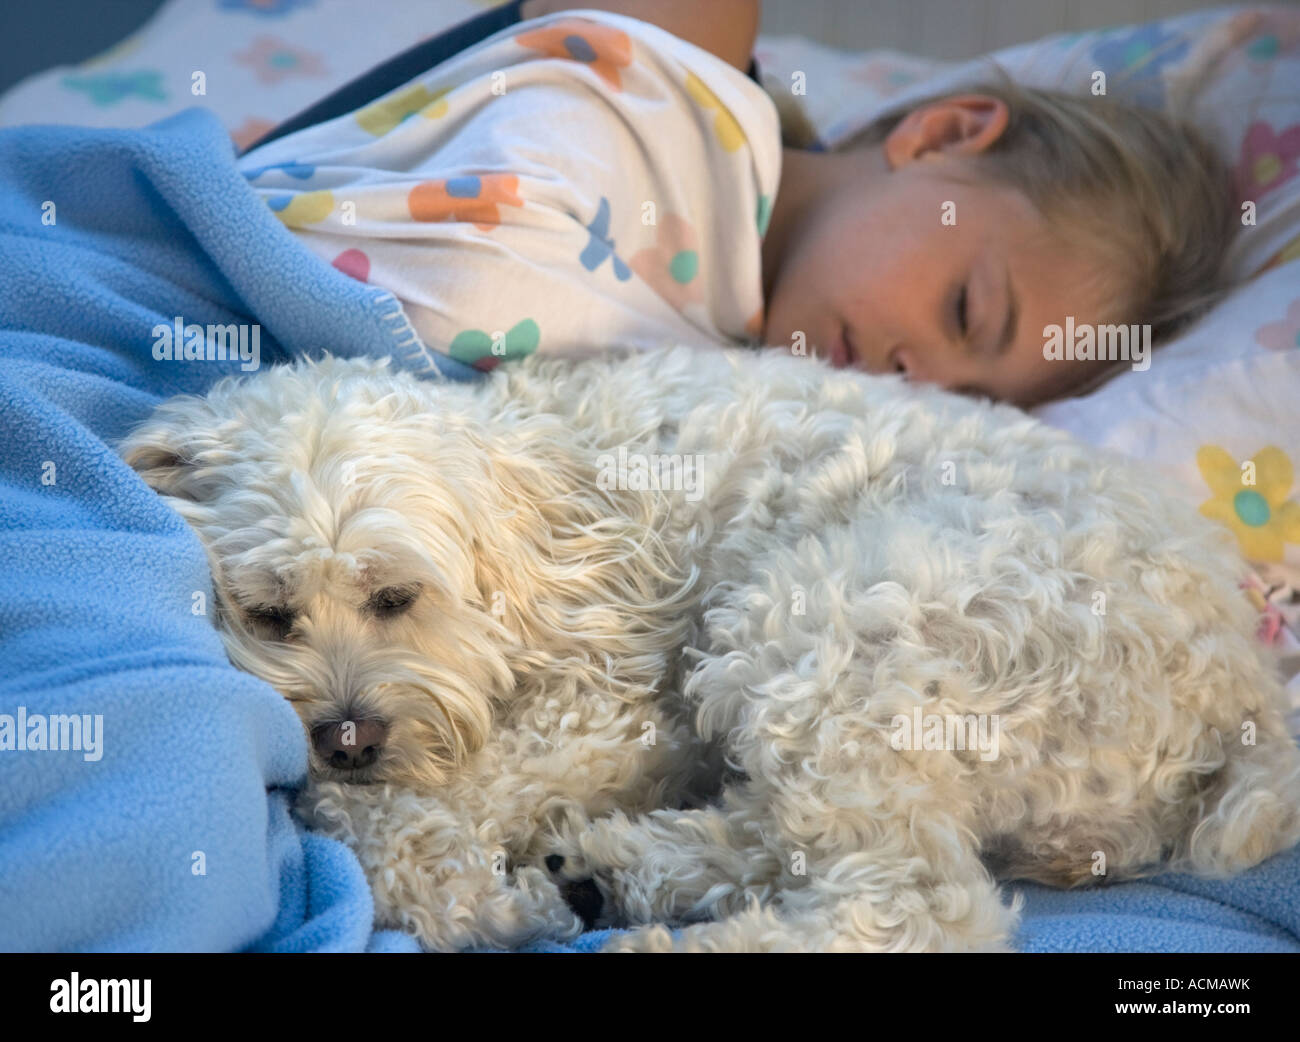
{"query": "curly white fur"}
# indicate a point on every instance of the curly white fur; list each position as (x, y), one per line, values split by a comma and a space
(851, 549)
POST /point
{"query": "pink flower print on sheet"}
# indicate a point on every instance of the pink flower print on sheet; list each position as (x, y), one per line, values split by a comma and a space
(252, 129)
(1264, 35)
(273, 60)
(1268, 159)
(1284, 334)
(355, 263)
(884, 76)
(671, 267)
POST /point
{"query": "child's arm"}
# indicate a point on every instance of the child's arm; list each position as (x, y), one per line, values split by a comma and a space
(726, 28)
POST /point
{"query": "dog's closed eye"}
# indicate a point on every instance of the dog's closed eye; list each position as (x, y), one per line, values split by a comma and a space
(392, 601)
(273, 622)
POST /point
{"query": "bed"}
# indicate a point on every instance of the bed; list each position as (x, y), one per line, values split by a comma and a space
(174, 833)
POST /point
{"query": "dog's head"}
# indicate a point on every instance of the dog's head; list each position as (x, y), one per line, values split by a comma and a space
(383, 559)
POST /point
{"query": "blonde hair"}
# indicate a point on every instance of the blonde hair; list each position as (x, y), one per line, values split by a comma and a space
(1137, 184)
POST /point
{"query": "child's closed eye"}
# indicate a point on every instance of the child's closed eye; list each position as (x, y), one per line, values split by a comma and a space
(963, 317)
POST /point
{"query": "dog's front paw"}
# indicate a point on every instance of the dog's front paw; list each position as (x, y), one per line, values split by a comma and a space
(542, 904)
(597, 875)
(579, 890)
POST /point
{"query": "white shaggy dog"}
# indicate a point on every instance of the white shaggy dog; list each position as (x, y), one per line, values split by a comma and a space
(934, 642)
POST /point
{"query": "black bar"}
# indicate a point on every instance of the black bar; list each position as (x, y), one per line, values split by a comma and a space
(337, 992)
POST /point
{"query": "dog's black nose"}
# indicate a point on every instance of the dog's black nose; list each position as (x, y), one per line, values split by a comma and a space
(350, 745)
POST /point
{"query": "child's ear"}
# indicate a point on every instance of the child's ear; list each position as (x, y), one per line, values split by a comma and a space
(963, 125)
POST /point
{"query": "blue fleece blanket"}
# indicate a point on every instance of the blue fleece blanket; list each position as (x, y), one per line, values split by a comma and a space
(1258, 911)
(169, 828)
(166, 826)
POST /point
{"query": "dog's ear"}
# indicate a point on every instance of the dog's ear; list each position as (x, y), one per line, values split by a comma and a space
(168, 448)
(578, 573)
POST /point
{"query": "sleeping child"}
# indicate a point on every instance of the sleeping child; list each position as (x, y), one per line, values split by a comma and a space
(612, 177)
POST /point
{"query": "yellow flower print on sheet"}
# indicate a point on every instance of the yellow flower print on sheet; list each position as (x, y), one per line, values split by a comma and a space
(730, 136)
(302, 208)
(1251, 499)
(381, 117)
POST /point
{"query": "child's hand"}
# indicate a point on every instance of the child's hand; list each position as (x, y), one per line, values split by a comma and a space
(726, 28)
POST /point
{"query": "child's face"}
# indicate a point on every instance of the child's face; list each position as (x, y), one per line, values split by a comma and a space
(876, 280)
